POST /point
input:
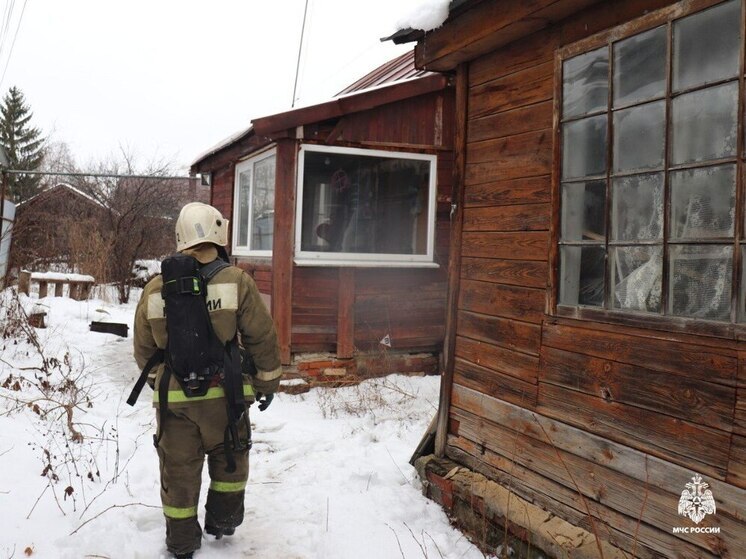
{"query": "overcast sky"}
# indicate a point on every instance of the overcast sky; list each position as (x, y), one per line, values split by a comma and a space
(170, 78)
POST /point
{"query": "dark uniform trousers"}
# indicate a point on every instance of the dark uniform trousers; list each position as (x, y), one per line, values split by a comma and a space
(189, 433)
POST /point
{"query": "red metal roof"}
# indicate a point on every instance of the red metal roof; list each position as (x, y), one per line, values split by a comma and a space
(400, 68)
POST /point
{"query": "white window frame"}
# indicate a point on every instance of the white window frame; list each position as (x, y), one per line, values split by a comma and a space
(314, 258)
(246, 250)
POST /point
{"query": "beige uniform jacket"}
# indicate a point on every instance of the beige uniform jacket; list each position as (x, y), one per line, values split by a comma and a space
(235, 305)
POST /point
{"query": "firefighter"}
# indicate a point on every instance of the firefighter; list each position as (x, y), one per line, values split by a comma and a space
(190, 428)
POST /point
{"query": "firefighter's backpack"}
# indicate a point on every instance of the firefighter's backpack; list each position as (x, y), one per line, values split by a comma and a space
(193, 353)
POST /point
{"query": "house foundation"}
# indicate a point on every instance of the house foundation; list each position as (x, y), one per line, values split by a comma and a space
(309, 370)
(495, 518)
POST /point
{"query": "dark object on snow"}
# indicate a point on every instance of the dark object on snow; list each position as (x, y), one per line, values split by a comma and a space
(116, 328)
(36, 319)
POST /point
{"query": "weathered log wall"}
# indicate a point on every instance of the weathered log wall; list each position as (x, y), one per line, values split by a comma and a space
(601, 424)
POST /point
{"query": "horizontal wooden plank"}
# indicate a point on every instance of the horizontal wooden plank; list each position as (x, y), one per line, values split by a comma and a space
(686, 398)
(532, 190)
(518, 148)
(523, 165)
(533, 51)
(520, 303)
(500, 359)
(716, 344)
(657, 434)
(510, 123)
(529, 245)
(310, 346)
(519, 336)
(526, 273)
(328, 331)
(525, 87)
(399, 337)
(640, 466)
(613, 489)
(324, 320)
(377, 280)
(651, 353)
(487, 381)
(625, 532)
(523, 217)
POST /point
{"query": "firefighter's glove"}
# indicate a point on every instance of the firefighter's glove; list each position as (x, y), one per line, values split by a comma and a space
(264, 400)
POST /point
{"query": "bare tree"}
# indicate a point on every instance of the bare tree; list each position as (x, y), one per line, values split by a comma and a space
(138, 214)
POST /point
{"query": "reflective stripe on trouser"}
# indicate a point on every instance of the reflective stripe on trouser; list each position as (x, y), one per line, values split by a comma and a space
(189, 433)
(177, 396)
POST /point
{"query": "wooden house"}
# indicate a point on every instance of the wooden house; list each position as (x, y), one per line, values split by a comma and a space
(594, 395)
(45, 222)
(340, 212)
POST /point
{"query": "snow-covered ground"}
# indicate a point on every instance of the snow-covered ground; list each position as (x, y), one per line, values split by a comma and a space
(329, 470)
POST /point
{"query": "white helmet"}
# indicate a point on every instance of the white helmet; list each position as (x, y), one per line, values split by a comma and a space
(200, 223)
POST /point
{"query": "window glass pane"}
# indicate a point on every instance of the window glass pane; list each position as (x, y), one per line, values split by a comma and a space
(244, 191)
(365, 204)
(584, 211)
(700, 283)
(263, 204)
(703, 202)
(582, 275)
(704, 124)
(636, 277)
(640, 67)
(584, 147)
(637, 208)
(639, 137)
(585, 83)
(706, 46)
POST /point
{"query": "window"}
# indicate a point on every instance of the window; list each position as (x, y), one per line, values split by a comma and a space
(651, 155)
(365, 207)
(254, 213)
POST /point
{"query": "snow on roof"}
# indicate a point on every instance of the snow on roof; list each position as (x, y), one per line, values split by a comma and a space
(62, 185)
(423, 14)
(221, 144)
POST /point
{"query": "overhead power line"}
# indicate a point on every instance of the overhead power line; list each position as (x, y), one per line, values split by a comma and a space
(300, 50)
(7, 18)
(13, 44)
(95, 175)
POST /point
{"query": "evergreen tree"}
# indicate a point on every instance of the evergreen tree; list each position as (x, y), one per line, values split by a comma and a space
(23, 145)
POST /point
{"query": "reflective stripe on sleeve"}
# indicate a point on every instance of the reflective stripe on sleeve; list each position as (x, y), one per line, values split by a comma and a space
(178, 396)
(227, 486)
(179, 512)
(269, 375)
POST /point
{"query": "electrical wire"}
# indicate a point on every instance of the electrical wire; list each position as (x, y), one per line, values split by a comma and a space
(300, 49)
(7, 18)
(13, 44)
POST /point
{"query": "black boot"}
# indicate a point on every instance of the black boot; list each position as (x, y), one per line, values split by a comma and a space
(219, 532)
(189, 555)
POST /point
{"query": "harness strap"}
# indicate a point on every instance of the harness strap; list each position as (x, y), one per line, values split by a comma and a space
(162, 403)
(209, 270)
(155, 359)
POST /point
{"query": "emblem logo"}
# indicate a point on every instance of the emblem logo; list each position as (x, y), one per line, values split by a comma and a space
(696, 500)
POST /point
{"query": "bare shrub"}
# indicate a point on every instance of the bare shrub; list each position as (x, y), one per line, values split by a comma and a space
(371, 397)
(88, 247)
